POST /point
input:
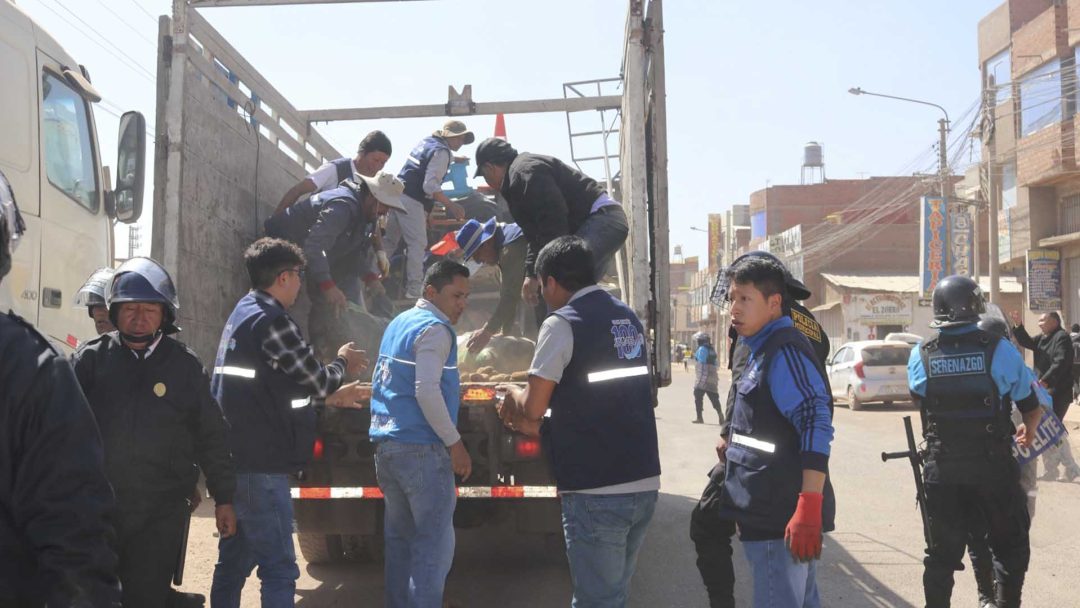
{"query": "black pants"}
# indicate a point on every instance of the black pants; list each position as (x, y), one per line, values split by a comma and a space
(712, 541)
(958, 511)
(714, 397)
(148, 545)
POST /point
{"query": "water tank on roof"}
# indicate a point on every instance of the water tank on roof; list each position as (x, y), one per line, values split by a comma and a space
(812, 156)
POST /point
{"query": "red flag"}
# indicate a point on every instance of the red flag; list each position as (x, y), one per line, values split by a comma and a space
(446, 245)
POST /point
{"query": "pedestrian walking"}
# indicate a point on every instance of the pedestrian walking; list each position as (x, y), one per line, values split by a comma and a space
(160, 424)
(591, 371)
(706, 379)
(267, 379)
(1074, 336)
(776, 485)
(54, 497)
(963, 381)
(415, 397)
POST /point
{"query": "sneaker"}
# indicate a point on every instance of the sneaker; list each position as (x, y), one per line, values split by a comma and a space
(1049, 476)
(1071, 476)
(698, 421)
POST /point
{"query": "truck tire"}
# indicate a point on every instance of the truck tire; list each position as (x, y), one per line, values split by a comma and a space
(321, 548)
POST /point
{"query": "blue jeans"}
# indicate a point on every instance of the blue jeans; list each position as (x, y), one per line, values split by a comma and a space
(264, 526)
(603, 535)
(419, 497)
(605, 231)
(780, 581)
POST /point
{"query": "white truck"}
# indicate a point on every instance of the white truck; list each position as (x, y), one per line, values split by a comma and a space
(49, 153)
(228, 144)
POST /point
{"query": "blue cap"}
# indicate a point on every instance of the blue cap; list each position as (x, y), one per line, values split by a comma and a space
(474, 234)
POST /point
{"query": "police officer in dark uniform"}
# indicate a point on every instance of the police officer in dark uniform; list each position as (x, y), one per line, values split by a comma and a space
(54, 498)
(92, 296)
(710, 532)
(962, 381)
(160, 424)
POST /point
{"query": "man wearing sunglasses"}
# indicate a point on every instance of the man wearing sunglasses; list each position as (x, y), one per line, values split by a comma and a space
(266, 377)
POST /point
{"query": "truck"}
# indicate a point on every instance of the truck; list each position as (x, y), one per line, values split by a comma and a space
(50, 155)
(228, 144)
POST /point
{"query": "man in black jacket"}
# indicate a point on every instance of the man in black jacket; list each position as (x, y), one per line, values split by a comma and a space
(549, 199)
(160, 424)
(54, 498)
(1053, 357)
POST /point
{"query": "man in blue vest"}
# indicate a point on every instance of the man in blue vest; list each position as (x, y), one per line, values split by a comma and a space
(591, 370)
(415, 395)
(494, 243)
(371, 157)
(423, 175)
(776, 486)
(962, 381)
(337, 230)
(706, 380)
(265, 378)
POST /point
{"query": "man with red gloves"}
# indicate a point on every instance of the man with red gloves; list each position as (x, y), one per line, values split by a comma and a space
(777, 454)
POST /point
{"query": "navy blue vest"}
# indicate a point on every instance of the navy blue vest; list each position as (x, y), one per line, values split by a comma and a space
(966, 421)
(602, 430)
(271, 418)
(344, 168)
(295, 223)
(764, 467)
(412, 174)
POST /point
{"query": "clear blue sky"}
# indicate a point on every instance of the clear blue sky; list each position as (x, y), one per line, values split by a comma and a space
(748, 82)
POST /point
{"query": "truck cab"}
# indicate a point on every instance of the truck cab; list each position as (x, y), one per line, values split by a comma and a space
(49, 154)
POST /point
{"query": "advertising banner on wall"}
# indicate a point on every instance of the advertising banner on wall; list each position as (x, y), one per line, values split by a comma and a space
(715, 241)
(1044, 280)
(880, 308)
(933, 257)
(961, 240)
(788, 247)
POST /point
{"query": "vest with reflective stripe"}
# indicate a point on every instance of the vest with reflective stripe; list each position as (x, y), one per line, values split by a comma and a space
(966, 421)
(271, 419)
(764, 461)
(412, 174)
(602, 430)
(395, 413)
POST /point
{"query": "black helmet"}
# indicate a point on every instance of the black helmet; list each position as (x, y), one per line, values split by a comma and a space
(11, 225)
(143, 280)
(993, 321)
(701, 338)
(92, 292)
(796, 289)
(957, 300)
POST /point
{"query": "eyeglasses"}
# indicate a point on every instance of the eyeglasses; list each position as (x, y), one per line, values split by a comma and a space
(299, 272)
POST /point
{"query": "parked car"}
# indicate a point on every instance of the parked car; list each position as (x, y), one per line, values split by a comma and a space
(899, 336)
(870, 371)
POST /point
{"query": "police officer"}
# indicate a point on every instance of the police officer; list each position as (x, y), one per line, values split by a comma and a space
(962, 381)
(160, 424)
(54, 498)
(92, 296)
(710, 532)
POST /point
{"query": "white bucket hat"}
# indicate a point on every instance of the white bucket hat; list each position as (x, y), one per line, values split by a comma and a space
(386, 187)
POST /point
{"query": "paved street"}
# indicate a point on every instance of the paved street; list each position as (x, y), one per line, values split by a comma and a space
(873, 559)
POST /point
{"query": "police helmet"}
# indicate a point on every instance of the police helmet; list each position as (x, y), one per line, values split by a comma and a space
(143, 280)
(92, 292)
(795, 288)
(11, 225)
(957, 300)
(993, 321)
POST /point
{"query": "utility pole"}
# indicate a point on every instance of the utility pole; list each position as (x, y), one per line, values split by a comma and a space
(991, 193)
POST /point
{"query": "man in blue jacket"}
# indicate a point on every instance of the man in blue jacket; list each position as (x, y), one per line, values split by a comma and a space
(591, 370)
(415, 395)
(776, 486)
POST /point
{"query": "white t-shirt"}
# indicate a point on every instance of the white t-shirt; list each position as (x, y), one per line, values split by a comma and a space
(325, 177)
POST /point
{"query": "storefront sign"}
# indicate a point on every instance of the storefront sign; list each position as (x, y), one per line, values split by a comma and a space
(880, 309)
(933, 260)
(715, 241)
(1044, 280)
(961, 240)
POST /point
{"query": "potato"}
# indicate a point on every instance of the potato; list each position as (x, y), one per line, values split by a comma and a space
(519, 376)
(500, 378)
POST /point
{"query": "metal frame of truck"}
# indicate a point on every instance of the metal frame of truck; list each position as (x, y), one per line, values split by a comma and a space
(216, 111)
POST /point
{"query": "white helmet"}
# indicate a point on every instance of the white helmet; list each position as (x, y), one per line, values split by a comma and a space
(11, 225)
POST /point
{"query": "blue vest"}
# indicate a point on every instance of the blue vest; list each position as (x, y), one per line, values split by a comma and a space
(412, 174)
(271, 418)
(295, 223)
(395, 413)
(762, 484)
(344, 168)
(966, 421)
(602, 430)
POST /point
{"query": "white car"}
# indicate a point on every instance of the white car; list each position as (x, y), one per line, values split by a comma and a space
(870, 371)
(898, 336)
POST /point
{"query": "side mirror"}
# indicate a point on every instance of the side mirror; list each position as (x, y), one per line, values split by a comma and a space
(130, 168)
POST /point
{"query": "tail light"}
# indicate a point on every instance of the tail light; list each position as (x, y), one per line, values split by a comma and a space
(526, 447)
(317, 449)
(859, 371)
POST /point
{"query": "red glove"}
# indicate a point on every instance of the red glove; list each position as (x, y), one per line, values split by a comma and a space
(803, 533)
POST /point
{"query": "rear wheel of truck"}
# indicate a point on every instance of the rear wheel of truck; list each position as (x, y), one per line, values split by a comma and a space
(321, 548)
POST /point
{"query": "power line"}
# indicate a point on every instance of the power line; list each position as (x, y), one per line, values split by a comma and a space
(146, 73)
(125, 22)
(144, 11)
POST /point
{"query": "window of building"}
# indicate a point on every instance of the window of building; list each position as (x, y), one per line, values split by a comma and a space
(998, 76)
(758, 228)
(1008, 185)
(69, 153)
(1070, 214)
(1040, 98)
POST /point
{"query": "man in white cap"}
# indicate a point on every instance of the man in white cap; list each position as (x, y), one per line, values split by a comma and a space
(423, 175)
